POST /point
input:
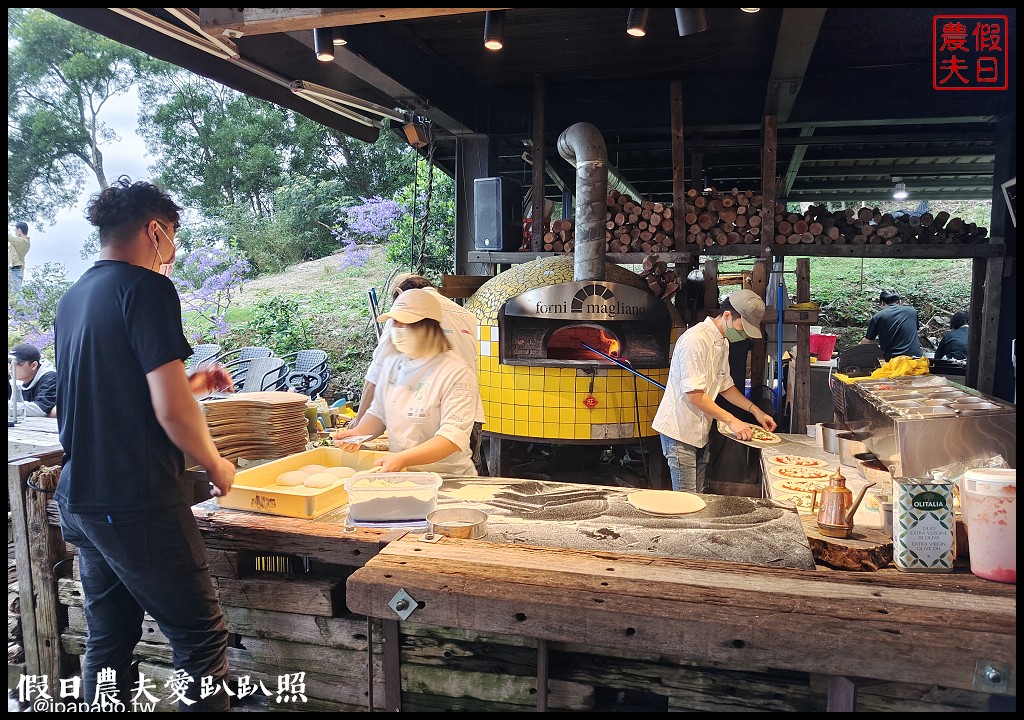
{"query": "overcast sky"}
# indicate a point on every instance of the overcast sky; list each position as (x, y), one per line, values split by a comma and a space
(62, 241)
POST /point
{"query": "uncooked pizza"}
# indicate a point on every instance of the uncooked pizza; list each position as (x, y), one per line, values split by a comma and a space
(760, 435)
(797, 486)
(666, 502)
(800, 501)
(790, 472)
(797, 461)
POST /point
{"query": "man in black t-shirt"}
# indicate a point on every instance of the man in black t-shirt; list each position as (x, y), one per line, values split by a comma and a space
(894, 327)
(126, 412)
(953, 344)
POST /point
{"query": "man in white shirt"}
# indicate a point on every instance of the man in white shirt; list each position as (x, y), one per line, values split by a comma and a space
(698, 374)
(460, 328)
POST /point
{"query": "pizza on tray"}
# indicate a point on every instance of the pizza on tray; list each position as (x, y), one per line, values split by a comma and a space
(760, 435)
(797, 461)
(797, 487)
(791, 472)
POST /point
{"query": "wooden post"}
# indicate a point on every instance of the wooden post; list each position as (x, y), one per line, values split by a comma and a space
(769, 189)
(679, 192)
(758, 348)
(537, 212)
(38, 548)
(801, 365)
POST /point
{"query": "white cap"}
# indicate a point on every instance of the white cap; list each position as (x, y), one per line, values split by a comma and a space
(412, 306)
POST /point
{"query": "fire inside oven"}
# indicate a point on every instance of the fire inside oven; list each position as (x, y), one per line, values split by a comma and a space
(550, 326)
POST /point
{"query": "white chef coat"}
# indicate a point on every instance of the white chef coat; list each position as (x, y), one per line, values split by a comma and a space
(420, 399)
(700, 361)
(460, 328)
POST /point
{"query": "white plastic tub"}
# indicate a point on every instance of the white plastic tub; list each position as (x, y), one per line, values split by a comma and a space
(392, 497)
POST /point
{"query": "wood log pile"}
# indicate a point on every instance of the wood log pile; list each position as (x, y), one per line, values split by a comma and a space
(661, 279)
(723, 218)
(871, 226)
(559, 236)
(637, 226)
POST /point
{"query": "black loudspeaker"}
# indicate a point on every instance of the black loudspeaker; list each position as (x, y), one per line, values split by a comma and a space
(497, 214)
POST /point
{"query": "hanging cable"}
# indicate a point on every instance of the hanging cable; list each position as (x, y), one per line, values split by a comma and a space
(431, 146)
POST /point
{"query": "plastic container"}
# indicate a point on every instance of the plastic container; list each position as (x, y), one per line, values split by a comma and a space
(823, 345)
(255, 489)
(989, 503)
(392, 496)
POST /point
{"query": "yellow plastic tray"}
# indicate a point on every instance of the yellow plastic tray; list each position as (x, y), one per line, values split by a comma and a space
(254, 489)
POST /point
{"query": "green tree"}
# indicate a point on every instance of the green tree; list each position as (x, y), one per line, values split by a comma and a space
(60, 77)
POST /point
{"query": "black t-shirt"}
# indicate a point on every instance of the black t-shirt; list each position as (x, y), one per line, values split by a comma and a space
(113, 326)
(953, 344)
(895, 328)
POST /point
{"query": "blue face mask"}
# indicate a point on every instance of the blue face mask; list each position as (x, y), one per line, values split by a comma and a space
(733, 335)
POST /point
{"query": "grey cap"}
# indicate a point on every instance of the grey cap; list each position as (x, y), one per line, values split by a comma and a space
(751, 310)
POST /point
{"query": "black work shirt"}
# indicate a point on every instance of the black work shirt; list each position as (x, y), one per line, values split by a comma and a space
(895, 328)
(953, 344)
(115, 325)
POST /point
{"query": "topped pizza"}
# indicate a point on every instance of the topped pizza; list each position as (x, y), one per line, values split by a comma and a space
(797, 486)
(760, 435)
(791, 472)
(797, 460)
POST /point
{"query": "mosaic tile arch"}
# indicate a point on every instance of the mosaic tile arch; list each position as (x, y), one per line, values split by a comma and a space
(561, 404)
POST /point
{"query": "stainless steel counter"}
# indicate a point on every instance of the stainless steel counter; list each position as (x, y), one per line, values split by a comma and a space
(916, 424)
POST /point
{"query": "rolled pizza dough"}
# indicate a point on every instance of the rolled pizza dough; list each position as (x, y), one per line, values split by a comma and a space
(291, 478)
(321, 480)
(666, 502)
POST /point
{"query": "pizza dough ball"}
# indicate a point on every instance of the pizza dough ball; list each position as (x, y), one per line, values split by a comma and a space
(310, 469)
(320, 480)
(291, 478)
(341, 472)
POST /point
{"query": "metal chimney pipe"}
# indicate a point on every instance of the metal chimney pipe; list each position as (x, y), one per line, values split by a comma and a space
(583, 146)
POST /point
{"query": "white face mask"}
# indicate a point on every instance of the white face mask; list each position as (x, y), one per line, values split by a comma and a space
(404, 340)
(166, 268)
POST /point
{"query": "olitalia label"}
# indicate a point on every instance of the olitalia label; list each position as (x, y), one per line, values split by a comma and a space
(924, 530)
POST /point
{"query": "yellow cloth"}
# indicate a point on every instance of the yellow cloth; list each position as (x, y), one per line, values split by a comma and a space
(17, 249)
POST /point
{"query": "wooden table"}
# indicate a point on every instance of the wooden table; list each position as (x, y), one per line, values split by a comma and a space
(32, 436)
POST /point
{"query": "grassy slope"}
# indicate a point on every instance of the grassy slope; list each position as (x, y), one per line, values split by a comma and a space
(335, 301)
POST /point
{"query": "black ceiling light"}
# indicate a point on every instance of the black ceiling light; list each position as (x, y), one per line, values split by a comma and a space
(339, 36)
(323, 44)
(692, 20)
(494, 29)
(636, 23)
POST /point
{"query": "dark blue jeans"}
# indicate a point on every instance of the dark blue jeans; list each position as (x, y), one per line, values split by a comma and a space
(149, 561)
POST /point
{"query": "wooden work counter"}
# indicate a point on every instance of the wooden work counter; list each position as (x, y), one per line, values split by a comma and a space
(384, 618)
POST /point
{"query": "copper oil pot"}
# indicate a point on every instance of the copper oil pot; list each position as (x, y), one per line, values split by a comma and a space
(836, 506)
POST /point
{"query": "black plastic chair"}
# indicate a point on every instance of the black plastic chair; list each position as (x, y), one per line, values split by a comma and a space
(308, 372)
(237, 361)
(264, 374)
(201, 355)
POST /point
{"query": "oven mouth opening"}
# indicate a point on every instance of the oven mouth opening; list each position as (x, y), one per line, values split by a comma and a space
(566, 344)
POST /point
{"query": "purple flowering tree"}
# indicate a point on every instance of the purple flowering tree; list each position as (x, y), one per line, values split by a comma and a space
(360, 226)
(207, 282)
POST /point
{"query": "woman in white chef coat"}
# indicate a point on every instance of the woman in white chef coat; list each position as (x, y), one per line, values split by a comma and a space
(426, 398)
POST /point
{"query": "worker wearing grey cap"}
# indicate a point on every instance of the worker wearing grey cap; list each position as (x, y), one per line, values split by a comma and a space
(699, 373)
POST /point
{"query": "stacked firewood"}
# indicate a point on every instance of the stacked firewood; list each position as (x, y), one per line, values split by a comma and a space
(661, 279)
(871, 226)
(637, 226)
(559, 236)
(722, 218)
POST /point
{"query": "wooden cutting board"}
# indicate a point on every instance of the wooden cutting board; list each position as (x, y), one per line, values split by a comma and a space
(867, 549)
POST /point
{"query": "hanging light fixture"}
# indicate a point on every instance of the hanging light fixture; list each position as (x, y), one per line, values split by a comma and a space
(494, 29)
(636, 22)
(751, 10)
(339, 36)
(899, 190)
(323, 44)
(691, 20)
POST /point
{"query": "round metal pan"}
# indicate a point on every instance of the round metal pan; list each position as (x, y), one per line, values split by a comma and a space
(463, 523)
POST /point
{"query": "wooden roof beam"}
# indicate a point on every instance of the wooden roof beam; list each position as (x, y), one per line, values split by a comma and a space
(239, 22)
